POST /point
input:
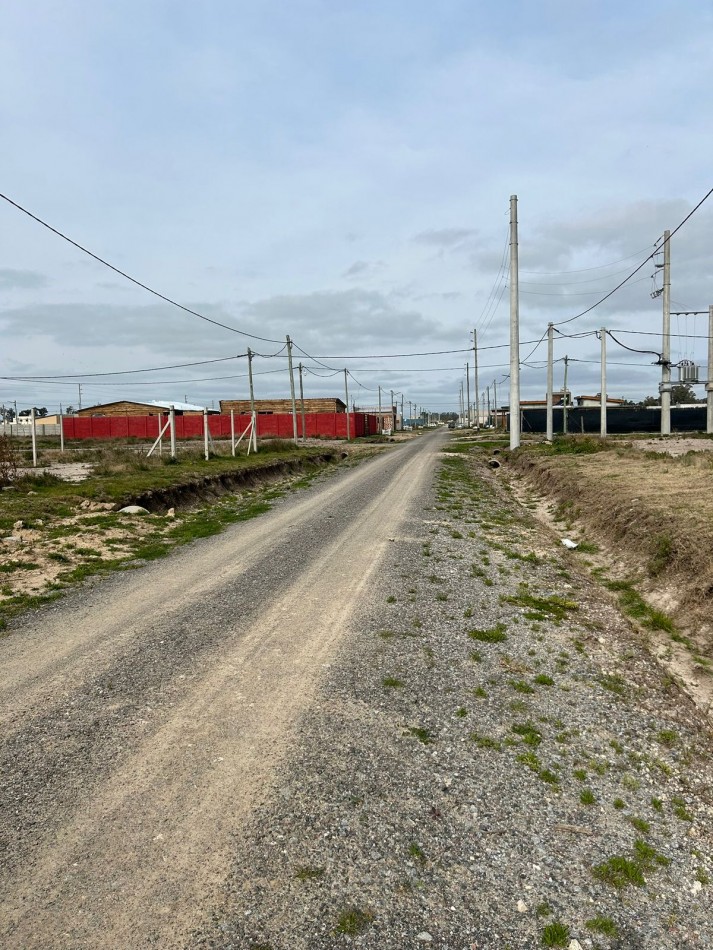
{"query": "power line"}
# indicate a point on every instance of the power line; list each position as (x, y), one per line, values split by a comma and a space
(156, 293)
(638, 268)
(130, 372)
(583, 270)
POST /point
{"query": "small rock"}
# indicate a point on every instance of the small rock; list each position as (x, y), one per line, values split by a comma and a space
(39, 523)
(32, 493)
(521, 906)
(12, 540)
(574, 945)
(133, 510)
(425, 936)
(18, 526)
(171, 513)
(568, 543)
(697, 887)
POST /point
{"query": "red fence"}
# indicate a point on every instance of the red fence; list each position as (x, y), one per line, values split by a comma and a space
(325, 424)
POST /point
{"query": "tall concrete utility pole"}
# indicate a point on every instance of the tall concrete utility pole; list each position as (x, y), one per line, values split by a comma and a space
(393, 420)
(302, 403)
(292, 390)
(79, 387)
(467, 379)
(253, 415)
(475, 378)
(487, 418)
(550, 380)
(666, 342)
(603, 385)
(402, 412)
(495, 403)
(346, 399)
(381, 418)
(709, 373)
(566, 397)
(514, 330)
(462, 409)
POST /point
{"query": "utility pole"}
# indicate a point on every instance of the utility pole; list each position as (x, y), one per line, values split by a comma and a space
(381, 419)
(462, 414)
(253, 415)
(709, 373)
(302, 404)
(488, 415)
(467, 380)
(402, 412)
(79, 387)
(475, 378)
(393, 420)
(603, 385)
(495, 404)
(514, 330)
(550, 382)
(292, 390)
(346, 398)
(566, 397)
(666, 343)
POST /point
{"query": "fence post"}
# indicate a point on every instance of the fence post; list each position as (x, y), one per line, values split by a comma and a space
(61, 432)
(172, 423)
(232, 431)
(34, 438)
(205, 433)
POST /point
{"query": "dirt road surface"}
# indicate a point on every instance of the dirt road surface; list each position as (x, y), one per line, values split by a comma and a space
(144, 717)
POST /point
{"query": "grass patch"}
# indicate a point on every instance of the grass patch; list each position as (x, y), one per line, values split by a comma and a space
(555, 934)
(602, 925)
(542, 608)
(485, 742)
(391, 682)
(587, 797)
(495, 634)
(353, 921)
(309, 873)
(423, 735)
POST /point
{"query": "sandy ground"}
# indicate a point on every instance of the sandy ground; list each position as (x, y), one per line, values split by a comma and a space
(674, 445)
(146, 715)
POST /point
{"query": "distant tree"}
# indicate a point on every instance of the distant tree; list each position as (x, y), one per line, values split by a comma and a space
(682, 393)
(650, 401)
(69, 411)
(8, 415)
(41, 413)
(447, 416)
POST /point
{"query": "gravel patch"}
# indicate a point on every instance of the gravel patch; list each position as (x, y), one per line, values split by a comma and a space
(494, 761)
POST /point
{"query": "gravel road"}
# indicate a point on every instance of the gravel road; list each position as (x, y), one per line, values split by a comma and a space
(393, 712)
(145, 716)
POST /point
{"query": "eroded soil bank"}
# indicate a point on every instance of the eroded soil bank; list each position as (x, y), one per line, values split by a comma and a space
(644, 523)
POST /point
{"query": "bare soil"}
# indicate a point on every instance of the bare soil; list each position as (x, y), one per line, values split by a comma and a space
(651, 516)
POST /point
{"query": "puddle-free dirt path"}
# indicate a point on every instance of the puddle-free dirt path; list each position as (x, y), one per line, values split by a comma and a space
(144, 717)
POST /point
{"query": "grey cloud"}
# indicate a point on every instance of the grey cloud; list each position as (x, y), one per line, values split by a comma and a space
(363, 269)
(445, 237)
(21, 279)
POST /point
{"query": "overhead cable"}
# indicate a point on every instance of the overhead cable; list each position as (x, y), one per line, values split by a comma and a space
(156, 293)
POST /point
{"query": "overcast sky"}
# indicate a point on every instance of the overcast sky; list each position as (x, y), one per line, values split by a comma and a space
(340, 171)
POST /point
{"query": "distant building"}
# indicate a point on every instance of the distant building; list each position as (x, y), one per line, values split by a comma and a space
(594, 402)
(124, 407)
(390, 418)
(272, 406)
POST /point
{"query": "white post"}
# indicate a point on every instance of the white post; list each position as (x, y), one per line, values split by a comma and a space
(566, 398)
(475, 378)
(603, 384)
(232, 432)
(381, 426)
(292, 390)
(666, 342)
(205, 433)
(514, 330)
(709, 384)
(34, 437)
(495, 403)
(302, 404)
(467, 380)
(550, 380)
(61, 430)
(172, 425)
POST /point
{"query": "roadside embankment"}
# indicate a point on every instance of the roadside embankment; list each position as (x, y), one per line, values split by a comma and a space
(647, 520)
